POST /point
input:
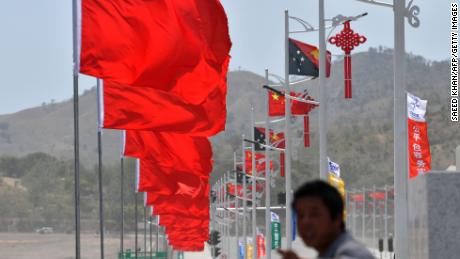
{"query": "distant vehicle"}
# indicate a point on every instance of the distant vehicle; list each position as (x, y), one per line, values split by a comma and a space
(44, 230)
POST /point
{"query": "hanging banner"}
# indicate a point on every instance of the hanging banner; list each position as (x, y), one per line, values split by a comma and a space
(276, 235)
(249, 249)
(337, 182)
(240, 244)
(418, 144)
(276, 230)
(260, 245)
(294, 225)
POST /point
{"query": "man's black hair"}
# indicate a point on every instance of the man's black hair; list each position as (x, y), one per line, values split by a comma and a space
(327, 193)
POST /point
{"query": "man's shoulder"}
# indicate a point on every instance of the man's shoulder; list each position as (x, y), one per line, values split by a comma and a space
(352, 248)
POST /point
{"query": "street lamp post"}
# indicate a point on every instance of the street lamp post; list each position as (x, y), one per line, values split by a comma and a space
(400, 124)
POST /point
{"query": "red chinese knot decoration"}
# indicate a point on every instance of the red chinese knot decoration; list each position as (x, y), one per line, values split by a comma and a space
(347, 40)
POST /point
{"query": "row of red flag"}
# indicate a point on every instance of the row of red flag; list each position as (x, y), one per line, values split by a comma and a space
(164, 65)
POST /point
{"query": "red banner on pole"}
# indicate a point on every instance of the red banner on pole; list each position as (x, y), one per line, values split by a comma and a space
(306, 131)
(260, 245)
(418, 144)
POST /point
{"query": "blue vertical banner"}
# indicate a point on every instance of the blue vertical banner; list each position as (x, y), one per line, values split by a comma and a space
(240, 244)
(294, 224)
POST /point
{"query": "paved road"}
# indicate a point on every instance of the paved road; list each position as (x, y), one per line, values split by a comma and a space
(62, 246)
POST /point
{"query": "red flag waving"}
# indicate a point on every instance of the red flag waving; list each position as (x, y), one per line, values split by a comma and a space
(165, 44)
(260, 162)
(304, 59)
(166, 220)
(301, 108)
(168, 180)
(173, 151)
(277, 140)
(276, 105)
(142, 108)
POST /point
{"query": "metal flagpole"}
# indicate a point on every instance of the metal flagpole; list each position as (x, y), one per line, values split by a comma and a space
(363, 218)
(400, 122)
(122, 192)
(254, 175)
(355, 229)
(99, 171)
(219, 204)
(145, 229)
(135, 223)
(157, 244)
(287, 134)
(322, 95)
(386, 213)
(374, 211)
(237, 212)
(227, 205)
(150, 233)
(268, 234)
(245, 242)
(135, 206)
(76, 55)
(165, 242)
(400, 134)
(225, 211)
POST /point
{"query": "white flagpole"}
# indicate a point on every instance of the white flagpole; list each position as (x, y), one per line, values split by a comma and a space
(400, 133)
(122, 180)
(254, 175)
(237, 212)
(287, 134)
(322, 95)
(135, 205)
(374, 212)
(268, 236)
(145, 225)
(227, 203)
(76, 55)
(245, 240)
(99, 171)
(150, 233)
(363, 218)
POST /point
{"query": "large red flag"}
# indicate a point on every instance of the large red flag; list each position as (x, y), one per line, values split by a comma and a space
(192, 202)
(175, 152)
(188, 235)
(164, 44)
(169, 220)
(182, 226)
(142, 108)
(167, 180)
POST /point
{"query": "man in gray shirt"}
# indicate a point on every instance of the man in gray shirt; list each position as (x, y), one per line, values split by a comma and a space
(319, 209)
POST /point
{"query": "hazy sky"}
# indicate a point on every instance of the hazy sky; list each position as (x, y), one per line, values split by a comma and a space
(36, 40)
